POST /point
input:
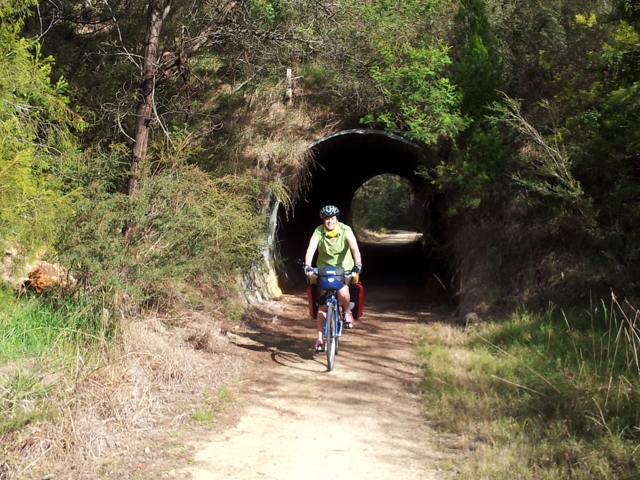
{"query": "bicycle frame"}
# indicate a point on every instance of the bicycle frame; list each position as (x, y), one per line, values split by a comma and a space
(331, 281)
(332, 328)
(338, 314)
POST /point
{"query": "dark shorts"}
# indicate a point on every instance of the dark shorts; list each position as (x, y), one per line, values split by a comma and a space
(322, 294)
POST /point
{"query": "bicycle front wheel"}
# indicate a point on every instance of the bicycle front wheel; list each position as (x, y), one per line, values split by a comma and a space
(338, 324)
(330, 344)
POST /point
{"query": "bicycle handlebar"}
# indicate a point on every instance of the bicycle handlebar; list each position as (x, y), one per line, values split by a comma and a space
(346, 274)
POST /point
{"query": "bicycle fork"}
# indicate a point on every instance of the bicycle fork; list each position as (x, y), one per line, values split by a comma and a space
(337, 318)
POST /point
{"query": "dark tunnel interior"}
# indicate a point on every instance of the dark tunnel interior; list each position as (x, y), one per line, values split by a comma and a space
(343, 162)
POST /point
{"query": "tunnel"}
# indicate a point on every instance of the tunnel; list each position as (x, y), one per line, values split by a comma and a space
(342, 162)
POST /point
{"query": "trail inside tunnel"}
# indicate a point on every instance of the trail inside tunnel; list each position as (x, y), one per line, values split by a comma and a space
(395, 267)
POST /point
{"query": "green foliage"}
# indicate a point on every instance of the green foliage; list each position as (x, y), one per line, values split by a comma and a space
(39, 328)
(264, 9)
(477, 64)
(421, 101)
(545, 167)
(405, 21)
(23, 401)
(32, 327)
(407, 89)
(409, 64)
(383, 203)
(560, 163)
(37, 146)
(316, 77)
(598, 126)
(474, 172)
(186, 227)
(205, 416)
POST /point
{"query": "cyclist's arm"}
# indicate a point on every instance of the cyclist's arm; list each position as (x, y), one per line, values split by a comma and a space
(311, 250)
(353, 245)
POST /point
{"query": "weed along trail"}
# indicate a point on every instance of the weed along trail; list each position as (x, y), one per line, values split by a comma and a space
(362, 420)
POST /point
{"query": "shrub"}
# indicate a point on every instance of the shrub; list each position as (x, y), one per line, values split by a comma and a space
(185, 226)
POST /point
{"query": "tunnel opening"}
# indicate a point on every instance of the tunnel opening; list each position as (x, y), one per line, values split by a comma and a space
(343, 162)
(385, 204)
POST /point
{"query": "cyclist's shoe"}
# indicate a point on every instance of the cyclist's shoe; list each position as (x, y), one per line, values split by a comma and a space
(319, 346)
(348, 320)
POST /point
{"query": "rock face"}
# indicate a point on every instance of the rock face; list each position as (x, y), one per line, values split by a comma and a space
(46, 275)
(13, 269)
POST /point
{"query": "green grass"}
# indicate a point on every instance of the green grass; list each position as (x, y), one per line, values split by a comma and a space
(205, 415)
(539, 396)
(31, 326)
(214, 404)
(38, 336)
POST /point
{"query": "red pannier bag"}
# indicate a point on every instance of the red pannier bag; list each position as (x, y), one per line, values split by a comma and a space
(356, 291)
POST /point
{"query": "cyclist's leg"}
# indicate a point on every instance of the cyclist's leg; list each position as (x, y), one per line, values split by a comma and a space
(344, 297)
(322, 313)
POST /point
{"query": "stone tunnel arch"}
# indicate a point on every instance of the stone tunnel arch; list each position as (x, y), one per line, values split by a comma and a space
(342, 163)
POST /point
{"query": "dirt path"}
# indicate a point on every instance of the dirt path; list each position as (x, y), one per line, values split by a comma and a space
(363, 420)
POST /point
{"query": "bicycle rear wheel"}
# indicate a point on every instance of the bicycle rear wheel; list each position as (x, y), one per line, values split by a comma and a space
(330, 343)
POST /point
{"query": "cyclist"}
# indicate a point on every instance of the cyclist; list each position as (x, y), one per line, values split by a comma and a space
(337, 247)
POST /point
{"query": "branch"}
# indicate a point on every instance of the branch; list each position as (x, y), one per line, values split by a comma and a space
(551, 161)
(129, 55)
(172, 62)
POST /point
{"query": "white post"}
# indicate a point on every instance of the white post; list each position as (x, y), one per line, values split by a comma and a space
(289, 92)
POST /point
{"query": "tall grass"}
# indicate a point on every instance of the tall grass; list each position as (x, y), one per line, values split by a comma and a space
(539, 395)
(38, 337)
(32, 327)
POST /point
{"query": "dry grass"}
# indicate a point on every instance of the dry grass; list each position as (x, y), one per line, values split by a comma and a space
(276, 137)
(259, 133)
(538, 395)
(109, 404)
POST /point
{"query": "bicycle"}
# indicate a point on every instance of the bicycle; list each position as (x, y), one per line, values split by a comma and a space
(332, 279)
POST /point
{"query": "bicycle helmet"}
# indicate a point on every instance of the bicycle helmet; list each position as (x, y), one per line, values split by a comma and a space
(329, 211)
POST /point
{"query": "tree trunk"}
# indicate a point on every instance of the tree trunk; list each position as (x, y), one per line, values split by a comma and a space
(158, 11)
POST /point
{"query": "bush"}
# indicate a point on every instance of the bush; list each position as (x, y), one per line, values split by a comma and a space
(184, 227)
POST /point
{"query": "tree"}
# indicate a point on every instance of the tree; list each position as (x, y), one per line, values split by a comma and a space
(201, 45)
(37, 144)
(156, 15)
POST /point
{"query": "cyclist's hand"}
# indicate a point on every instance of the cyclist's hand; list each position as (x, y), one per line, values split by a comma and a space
(357, 269)
(308, 270)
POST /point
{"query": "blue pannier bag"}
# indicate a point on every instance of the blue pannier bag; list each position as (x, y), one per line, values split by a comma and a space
(331, 278)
